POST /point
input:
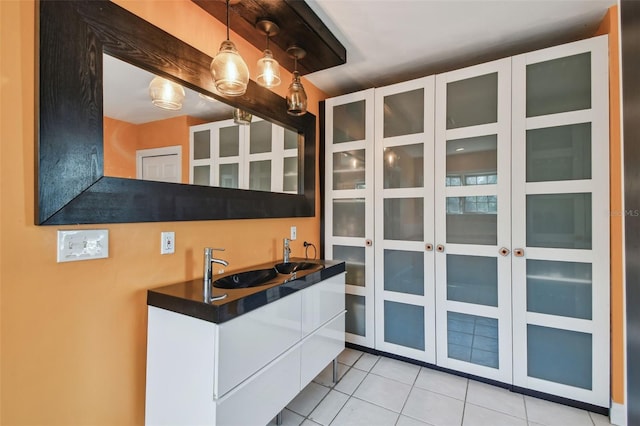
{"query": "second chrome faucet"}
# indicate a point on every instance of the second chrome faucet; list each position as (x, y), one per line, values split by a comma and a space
(286, 251)
(207, 284)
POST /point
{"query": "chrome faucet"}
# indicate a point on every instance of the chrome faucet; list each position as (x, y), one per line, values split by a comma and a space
(209, 260)
(286, 251)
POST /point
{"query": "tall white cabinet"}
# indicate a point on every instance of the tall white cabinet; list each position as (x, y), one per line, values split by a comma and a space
(475, 223)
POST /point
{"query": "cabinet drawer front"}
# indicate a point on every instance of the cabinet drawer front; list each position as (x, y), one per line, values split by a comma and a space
(320, 348)
(321, 302)
(249, 342)
(260, 398)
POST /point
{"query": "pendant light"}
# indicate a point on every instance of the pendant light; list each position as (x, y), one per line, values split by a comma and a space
(268, 67)
(166, 94)
(229, 71)
(296, 96)
(242, 117)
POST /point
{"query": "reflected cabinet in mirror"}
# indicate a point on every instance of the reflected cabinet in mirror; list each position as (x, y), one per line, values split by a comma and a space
(106, 154)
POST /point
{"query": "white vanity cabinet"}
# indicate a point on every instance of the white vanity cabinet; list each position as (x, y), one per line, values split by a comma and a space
(242, 371)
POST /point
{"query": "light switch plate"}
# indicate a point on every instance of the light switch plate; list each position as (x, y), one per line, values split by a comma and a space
(294, 233)
(85, 244)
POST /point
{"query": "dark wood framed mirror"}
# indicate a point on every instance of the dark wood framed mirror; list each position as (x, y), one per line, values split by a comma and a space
(71, 186)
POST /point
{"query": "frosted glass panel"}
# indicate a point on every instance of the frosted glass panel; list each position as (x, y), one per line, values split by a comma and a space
(404, 113)
(404, 271)
(472, 220)
(559, 288)
(229, 141)
(260, 137)
(559, 85)
(290, 178)
(348, 217)
(472, 279)
(560, 356)
(559, 220)
(472, 161)
(348, 170)
(472, 101)
(201, 175)
(229, 175)
(356, 313)
(403, 219)
(404, 324)
(404, 166)
(201, 145)
(472, 338)
(559, 153)
(260, 175)
(349, 122)
(290, 139)
(355, 262)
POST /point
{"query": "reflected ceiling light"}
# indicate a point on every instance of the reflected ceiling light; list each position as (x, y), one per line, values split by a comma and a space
(268, 67)
(459, 149)
(241, 116)
(166, 94)
(296, 96)
(229, 71)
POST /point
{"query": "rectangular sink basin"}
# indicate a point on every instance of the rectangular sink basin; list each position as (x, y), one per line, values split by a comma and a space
(290, 267)
(246, 279)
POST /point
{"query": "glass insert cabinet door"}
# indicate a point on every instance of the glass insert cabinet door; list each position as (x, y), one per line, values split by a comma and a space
(261, 156)
(349, 220)
(472, 220)
(561, 221)
(404, 268)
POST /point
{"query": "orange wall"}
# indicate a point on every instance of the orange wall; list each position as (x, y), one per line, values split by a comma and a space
(73, 335)
(609, 26)
(120, 144)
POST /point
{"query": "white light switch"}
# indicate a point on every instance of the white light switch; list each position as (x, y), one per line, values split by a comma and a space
(294, 233)
(84, 244)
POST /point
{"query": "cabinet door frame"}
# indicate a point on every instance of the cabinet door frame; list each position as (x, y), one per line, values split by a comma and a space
(598, 256)
(366, 144)
(426, 300)
(501, 312)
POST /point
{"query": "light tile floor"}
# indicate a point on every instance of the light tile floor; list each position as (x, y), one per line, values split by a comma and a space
(379, 391)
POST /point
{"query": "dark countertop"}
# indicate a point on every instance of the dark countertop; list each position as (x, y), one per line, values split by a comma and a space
(186, 297)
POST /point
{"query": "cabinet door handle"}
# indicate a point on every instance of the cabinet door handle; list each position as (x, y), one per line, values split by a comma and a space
(428, 247)
(518, 252)
(368, 243)
(440, 248)
(504, 251)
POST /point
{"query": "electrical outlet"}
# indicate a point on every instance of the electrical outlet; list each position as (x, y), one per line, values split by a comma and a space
(294, 233)
(167, 242)
(83, 245)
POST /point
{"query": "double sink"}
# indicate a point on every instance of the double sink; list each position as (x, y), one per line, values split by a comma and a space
(284, 272)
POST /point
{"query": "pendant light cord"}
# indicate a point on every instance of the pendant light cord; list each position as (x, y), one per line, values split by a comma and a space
(227, 19)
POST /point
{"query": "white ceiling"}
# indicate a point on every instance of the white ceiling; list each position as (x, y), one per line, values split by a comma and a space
(393, 40)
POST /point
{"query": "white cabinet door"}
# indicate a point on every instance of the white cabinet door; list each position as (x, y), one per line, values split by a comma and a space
(472, 220)
(349, 205)
(404, 268)
(561, 221)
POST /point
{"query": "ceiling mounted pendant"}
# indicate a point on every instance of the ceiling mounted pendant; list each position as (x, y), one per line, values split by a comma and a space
(268, 67)
(242, 116)
(166, 94)
(296, 96)
(229, 71)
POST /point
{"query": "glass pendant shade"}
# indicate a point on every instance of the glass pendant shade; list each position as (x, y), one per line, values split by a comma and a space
(296, 96)
(268, 70)
(229, 71)
(166, 94)
(241, 116)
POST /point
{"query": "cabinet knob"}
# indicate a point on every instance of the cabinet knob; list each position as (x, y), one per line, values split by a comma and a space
(428, 247)
(368, 243)
(518, 252)
(440, 248)
(504, 251)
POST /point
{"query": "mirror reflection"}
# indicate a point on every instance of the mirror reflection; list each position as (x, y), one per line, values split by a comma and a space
(195, 139)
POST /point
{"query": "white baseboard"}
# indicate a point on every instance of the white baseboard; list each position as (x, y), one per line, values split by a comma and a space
(618, 414)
